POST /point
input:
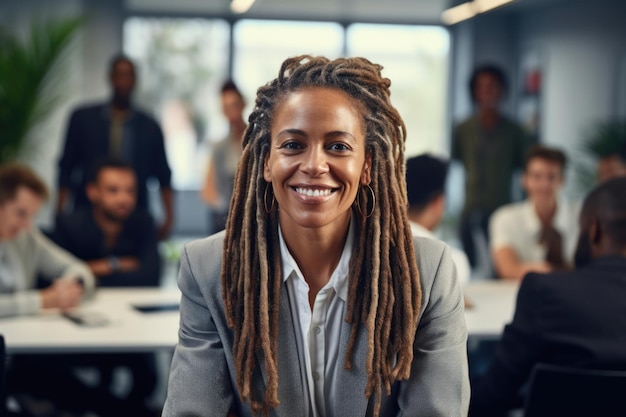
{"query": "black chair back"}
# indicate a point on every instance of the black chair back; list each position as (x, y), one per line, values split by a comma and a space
(563, 391)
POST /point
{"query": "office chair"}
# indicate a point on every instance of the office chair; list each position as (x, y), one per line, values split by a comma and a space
(563, 391)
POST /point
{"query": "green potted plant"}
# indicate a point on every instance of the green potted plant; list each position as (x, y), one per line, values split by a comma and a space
(31, 68)
(607, 138)
(603, 140)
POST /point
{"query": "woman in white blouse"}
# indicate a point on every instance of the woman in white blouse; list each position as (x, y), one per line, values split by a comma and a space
(26, 254)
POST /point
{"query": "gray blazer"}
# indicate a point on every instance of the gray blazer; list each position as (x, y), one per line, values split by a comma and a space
(202, 375)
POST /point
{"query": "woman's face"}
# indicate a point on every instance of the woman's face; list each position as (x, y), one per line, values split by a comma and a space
(17, 215)
(317, 159)
(232, 106)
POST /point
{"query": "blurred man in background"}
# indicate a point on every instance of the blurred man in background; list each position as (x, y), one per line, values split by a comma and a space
(118, 241)
(539, 234)
(426, 181)
(491, 147)
(115, 128)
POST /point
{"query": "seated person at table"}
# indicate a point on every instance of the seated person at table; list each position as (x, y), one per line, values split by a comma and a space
(426, 180)
(117, 241)
(26, 254)
(575, 318)
(539, 234)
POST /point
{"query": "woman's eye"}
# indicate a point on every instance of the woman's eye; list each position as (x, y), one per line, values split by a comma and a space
(339, 147)
(291, 145)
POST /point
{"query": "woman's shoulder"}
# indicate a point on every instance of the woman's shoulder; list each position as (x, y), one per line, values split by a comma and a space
(437, 272)
(205, 249)
(428, 255)
(203, 257)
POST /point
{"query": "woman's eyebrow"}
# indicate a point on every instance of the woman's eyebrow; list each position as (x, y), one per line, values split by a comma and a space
(337, 133)
(291, 131)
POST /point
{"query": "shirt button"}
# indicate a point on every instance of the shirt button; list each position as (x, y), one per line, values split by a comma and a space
(316, 376)
(317, 330)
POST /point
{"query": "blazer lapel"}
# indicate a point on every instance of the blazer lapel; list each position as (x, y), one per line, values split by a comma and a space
(290, 389)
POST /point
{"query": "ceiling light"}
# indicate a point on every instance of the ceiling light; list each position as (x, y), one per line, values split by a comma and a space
(470, 9)
(458, 13)
(240, 6)
(483, 6)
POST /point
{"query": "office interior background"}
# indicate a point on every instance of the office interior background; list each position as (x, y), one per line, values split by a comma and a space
(566, 62)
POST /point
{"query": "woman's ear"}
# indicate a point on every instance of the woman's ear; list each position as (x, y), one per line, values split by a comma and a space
(267, 173)
(366, 174)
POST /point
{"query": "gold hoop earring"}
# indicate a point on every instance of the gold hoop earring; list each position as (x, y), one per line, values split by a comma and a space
(271, 209)
(373, 202)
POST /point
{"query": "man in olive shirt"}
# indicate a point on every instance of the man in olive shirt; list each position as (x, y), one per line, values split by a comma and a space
(491, 147)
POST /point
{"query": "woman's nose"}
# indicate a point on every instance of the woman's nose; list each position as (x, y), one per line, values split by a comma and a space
(315, 161)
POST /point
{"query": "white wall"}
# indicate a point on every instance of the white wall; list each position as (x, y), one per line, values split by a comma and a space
(584, 51)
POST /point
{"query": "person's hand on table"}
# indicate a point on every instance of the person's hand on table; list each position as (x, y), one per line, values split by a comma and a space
(103, 266)
(63, 294)
(540, 267)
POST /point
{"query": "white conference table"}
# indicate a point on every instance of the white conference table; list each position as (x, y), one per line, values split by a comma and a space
(129, 330)
(493, 306)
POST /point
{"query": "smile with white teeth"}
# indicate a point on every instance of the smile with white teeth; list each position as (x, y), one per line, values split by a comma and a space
(309, 192)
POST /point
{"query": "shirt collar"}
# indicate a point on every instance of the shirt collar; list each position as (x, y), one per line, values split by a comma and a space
(339, 278)
(107, 112)
(559, 221)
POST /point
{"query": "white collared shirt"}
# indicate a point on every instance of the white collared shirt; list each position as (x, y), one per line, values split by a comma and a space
(319, 330)
(517, 226)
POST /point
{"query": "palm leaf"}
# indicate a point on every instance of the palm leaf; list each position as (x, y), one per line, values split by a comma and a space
(607, 138)
(601, 140)
(30, 73)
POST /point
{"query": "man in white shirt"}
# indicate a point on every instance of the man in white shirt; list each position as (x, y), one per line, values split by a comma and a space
(426, 179)
(540, 233)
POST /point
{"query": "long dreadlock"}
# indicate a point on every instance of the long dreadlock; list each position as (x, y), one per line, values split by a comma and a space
(384, 287)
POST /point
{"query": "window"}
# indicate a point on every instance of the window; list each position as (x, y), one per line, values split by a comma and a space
(182, 64)
(415, 59)
(262, 45)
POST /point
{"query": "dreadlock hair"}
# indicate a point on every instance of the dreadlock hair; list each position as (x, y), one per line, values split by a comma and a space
(384, 287)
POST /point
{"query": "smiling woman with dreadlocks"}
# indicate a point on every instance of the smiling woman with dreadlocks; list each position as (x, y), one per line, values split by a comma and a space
(316, 300)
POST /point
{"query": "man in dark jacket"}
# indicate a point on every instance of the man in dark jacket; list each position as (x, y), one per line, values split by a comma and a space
(575, 318)
(118, 242)
(115, 128)
(116, 239)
